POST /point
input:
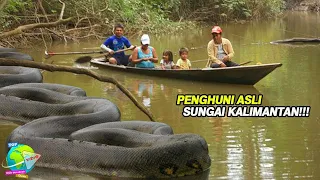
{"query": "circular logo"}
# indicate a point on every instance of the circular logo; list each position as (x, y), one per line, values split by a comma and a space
(21, 157)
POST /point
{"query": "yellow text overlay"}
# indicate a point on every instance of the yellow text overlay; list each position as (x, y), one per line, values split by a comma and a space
(218, 99)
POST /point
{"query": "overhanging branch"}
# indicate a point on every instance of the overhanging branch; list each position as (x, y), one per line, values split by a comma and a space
(23, 28)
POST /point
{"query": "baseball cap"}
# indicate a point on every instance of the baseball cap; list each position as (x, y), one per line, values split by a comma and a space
(216, 29)
(145, 39)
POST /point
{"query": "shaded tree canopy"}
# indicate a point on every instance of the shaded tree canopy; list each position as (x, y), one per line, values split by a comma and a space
(78, 19)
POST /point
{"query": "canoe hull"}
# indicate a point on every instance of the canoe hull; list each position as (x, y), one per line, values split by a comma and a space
(247, 75)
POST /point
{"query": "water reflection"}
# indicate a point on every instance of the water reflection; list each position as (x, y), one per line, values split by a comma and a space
(142, 89)
(245, 156)
(150, 90)
(145, 91)
(45, 173)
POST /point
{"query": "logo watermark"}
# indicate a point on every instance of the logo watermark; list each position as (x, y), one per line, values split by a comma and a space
(20, 160)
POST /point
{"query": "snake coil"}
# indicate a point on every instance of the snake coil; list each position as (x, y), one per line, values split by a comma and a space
(74, 132)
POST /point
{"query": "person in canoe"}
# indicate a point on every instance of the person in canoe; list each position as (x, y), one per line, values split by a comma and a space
(167, 60)
(219, 50)
(115, 43)
(144, 56)
(183, 62)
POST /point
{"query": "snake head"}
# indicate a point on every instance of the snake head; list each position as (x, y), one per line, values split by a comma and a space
(194, 164)
(168, 169)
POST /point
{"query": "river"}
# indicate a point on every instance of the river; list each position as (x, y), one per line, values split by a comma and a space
(240, 148)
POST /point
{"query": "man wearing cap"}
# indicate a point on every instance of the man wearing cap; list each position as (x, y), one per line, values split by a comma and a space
(115, 43)
(220, 50)
(144, 56)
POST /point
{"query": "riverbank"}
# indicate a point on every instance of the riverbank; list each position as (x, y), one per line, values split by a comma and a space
(25, 21)
(305, 5)
(23, 26)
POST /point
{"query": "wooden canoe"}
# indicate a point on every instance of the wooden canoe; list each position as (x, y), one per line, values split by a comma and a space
(247, 75)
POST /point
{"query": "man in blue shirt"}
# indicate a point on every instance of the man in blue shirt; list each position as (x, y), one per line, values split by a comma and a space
(115, 43)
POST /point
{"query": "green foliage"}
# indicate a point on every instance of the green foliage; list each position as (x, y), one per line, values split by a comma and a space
(236, 8)
(164, 7)
(2, 20)
(265, 8)
(143, 15)
(17, 6)
(219, 10)
(11, 11)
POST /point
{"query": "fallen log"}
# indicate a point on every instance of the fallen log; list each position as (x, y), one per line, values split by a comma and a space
(297, 40)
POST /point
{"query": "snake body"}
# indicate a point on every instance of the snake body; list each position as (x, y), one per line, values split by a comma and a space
(13, 75)
(74, 132)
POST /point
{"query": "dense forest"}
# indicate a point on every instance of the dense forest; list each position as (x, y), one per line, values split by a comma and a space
(26, 20)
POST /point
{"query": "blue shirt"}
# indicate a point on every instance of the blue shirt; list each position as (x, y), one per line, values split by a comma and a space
(115, 43)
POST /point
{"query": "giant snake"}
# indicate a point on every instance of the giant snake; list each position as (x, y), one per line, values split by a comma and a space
(74, 132)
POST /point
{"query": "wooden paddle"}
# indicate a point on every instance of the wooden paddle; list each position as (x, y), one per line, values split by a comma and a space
(202, 60)
(92, 48)
(85, 59)
(241, 64)
(244, 63)
(49, 54)
(115, 64)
